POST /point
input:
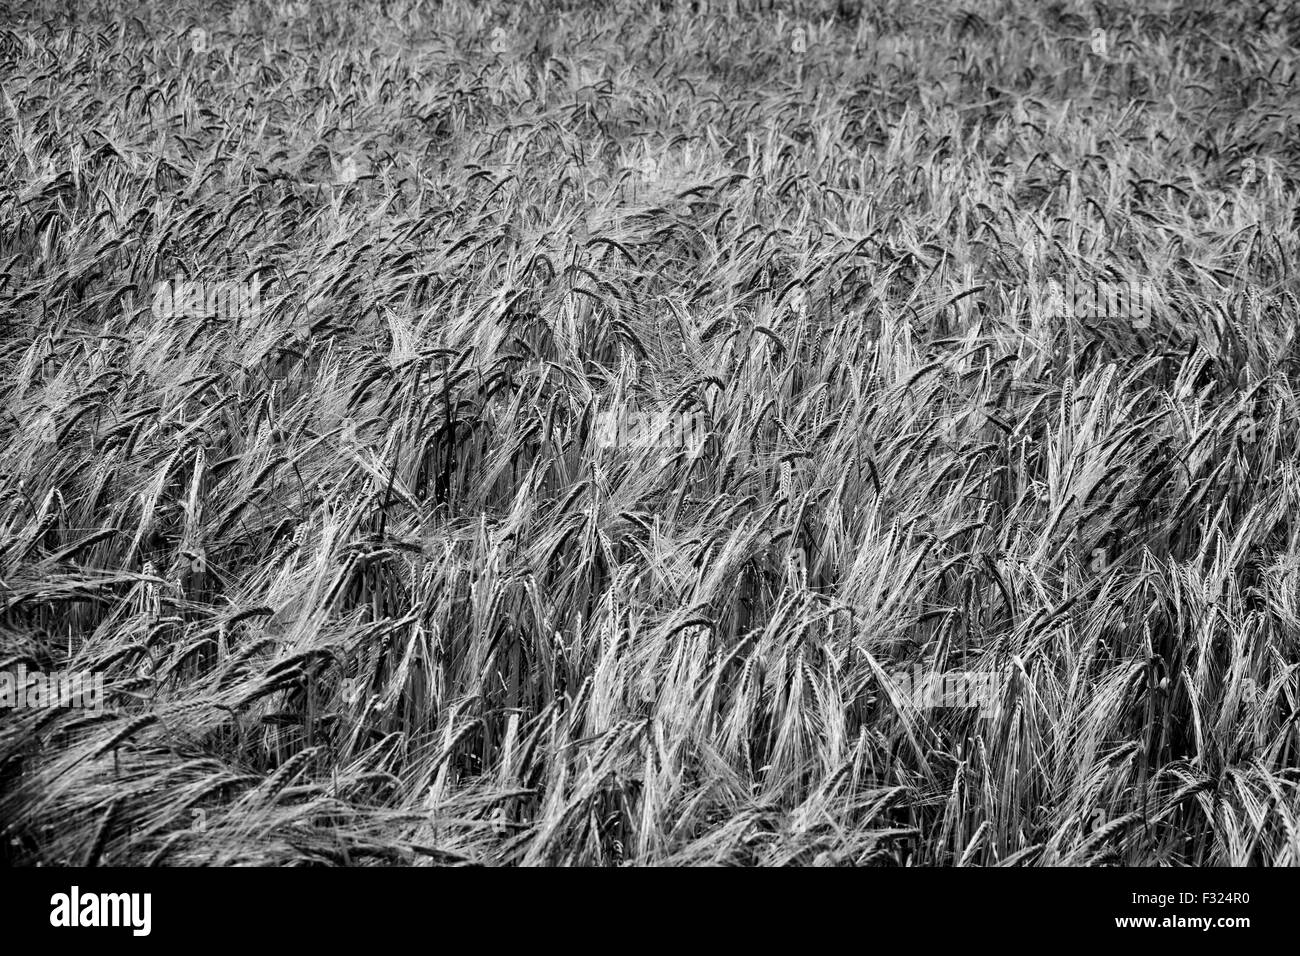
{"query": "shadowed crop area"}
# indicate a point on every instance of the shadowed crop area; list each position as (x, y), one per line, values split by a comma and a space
(621, 434)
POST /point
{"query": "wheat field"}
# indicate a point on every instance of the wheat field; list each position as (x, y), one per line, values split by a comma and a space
(589, 433)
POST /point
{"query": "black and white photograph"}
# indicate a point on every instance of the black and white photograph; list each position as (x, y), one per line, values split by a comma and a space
(657, 435)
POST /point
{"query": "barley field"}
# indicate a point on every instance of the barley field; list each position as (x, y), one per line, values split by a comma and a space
(617, 434)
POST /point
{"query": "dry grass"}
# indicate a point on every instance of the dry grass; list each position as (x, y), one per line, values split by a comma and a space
(366, 588)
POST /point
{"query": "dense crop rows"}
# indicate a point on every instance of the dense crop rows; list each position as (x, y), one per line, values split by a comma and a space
(314, 320)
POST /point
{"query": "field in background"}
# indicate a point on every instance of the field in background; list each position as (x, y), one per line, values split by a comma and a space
(585, 434)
